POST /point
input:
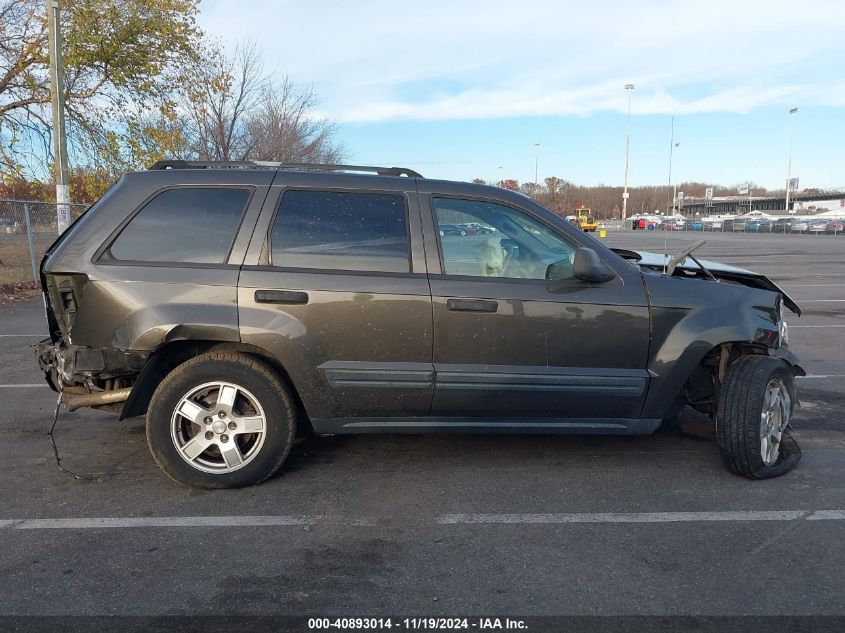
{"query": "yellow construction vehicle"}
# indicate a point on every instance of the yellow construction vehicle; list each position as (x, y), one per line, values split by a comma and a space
(584, 220)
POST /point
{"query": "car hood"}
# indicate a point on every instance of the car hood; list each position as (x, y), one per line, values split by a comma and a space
(655, 261)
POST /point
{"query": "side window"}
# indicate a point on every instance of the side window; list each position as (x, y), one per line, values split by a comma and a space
(337, 230)
(190, 225)
(484, 239)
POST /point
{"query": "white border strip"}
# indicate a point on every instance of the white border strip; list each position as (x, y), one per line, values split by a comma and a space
(148, 522)
(109, 523)
(24, 385)
(624, 517)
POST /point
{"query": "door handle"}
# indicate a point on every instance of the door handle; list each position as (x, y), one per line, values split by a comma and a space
(287, 297)
(471, 305)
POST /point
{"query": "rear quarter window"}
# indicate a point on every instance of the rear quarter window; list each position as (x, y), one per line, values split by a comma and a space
(183, 225)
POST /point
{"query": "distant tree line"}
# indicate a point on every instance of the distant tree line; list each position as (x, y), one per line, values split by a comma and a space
(143, 83)
(563, 196)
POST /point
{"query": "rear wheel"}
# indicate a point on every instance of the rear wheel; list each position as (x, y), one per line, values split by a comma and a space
(220, 420)
(752, 422)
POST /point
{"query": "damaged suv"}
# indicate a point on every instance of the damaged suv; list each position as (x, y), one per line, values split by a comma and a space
(234, 304)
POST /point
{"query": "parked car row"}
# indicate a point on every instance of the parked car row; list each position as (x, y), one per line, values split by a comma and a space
(651, 223)
(471, 228)
(817, 226)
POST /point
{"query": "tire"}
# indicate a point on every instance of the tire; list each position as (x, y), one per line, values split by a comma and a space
(221, 420)
(463, 233)
(741, 418)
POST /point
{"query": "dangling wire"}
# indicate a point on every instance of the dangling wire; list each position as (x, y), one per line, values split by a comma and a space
(56, 450)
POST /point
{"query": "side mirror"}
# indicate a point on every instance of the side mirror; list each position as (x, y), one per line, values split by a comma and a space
(588, 266)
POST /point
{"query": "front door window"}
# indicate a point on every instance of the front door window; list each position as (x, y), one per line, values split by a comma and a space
(485, 239)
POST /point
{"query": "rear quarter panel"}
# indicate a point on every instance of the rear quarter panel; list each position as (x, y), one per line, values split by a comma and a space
(142, 305)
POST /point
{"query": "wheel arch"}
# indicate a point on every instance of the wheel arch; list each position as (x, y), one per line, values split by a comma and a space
(172, 354)
(703, 373)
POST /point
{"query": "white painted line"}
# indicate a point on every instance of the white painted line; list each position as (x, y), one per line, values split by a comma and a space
(24, 386)
(148, 522)
(822, 376)
(822, 300)
(813, 285)
(827, 515)
(792, 327)
(447, 519)
(23, 335)
(625, 517)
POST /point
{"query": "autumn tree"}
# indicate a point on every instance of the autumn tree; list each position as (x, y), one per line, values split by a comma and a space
(122, 60)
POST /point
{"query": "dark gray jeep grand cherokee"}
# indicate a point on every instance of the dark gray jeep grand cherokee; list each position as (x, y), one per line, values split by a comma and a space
(234, 303)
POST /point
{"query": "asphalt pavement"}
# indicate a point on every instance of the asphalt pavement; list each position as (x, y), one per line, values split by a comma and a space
(439, 524)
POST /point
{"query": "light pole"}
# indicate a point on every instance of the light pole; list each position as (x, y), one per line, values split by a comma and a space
(672, 146)
(789, 162)
(536, 165)
(54, 40)
(628, 88)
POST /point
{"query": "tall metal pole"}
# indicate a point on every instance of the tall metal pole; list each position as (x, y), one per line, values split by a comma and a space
(749, 197)
(536, 164)
(671, 148)
(54, 37)
(628, 88)
(789, 162)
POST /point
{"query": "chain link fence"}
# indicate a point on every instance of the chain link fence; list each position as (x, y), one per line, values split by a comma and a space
(27, 228)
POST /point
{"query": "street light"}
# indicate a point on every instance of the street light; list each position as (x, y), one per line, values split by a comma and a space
(536, 163)
(672, 146)
(789, 162)
(629, 88)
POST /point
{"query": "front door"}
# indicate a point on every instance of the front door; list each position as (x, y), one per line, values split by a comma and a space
(516, 335)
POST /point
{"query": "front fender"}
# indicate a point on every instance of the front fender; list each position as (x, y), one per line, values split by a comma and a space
(689, 318)
(791, 359)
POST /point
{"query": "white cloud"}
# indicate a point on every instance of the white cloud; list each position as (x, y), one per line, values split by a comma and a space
(380, 60)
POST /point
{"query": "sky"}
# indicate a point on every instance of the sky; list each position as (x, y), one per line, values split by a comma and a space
(460, 89)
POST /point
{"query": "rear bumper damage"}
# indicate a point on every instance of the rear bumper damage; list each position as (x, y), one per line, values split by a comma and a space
(89, 376)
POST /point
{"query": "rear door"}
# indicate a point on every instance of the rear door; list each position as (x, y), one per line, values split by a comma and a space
(334, 286)
(510, 343)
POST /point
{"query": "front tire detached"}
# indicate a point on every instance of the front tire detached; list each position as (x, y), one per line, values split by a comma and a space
(221, 420)
(752, 421)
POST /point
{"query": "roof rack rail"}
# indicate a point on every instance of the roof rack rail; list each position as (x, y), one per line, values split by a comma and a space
(247, 164)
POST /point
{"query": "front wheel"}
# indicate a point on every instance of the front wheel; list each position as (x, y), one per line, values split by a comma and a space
(221, 420)
(752, 421)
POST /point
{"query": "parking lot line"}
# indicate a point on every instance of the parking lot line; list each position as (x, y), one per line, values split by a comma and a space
(24, 386)
(822, 376)
(21, 335)
(172, 522)
(627, 517)
(108, 523)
